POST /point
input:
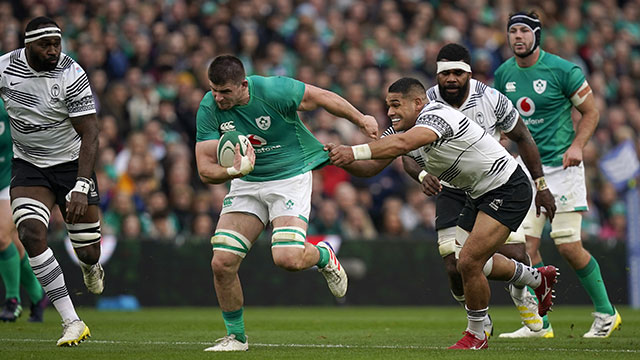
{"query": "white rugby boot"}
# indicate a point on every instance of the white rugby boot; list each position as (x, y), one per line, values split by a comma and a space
(94, 278)
(229, 343)
(334, 273)
(603, 325)
(73, 333)
(527, 306)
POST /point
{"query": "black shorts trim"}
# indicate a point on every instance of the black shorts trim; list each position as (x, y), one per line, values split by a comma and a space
(508, 203)
(60, 179)
(449, 205)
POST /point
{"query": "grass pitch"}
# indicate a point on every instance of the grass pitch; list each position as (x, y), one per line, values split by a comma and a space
(315, 333)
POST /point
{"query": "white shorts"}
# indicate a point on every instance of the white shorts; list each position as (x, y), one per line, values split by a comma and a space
(567, 186)
(271, 199)
(4, 193)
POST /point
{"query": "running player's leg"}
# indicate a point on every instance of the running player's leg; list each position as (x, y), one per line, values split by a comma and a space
(289, 203)
(242, 219)
(31, 207)
(234, 236)
(565, 232)
(9, 262)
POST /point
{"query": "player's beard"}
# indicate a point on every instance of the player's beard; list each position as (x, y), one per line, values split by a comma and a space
(458, 98)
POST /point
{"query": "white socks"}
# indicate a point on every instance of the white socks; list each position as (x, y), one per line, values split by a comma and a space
(49, 273)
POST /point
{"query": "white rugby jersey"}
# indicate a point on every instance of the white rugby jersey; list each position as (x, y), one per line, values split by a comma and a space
(464, 155)
(40, 105)
(486, 106)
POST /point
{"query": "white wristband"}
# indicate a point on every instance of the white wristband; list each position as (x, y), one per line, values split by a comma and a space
(361, 152)
(245, 167)
(83, 185)
(421, 176)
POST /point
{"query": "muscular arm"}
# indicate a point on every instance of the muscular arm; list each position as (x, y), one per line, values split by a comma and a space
(87, 127)
(526, 148)
(531, 157)
(584, 130)
(207, 161)
(388, 147)
(315, 97)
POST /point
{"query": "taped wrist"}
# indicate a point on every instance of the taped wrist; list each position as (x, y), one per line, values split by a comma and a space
(421, 176)
(541, 183)
(83, 185)
(245, 167)
(361, 152)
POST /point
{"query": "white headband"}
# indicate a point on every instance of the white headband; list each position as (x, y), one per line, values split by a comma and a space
(452, 65)
(37, 34)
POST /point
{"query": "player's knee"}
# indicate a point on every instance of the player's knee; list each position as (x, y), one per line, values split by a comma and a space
(447, 241)
(224, 264)
(566, 227)
(468, 265)
(32, 232)
(287, 246)
(85, 235)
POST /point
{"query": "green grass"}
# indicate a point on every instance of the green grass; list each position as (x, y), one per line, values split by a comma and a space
(315, 333)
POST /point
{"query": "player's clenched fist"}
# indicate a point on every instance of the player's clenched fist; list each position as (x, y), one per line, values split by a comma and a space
(369, 126)
(340, 155)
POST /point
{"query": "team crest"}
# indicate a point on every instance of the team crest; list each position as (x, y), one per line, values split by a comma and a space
(539, 86)
(263, 122)
(55, 90)
(480, 119)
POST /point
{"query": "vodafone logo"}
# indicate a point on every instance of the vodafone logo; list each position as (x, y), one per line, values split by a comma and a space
(526, 106)
(256, 141)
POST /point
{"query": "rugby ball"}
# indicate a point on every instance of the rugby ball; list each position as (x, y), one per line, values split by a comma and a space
(227, 147)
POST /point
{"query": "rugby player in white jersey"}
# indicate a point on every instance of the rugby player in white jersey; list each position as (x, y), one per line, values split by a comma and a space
(458, 151)
(55, 141)
(495, 113)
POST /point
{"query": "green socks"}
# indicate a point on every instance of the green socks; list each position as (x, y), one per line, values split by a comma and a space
(324, 257)
(29, 281)
(234, 321)
(10, 271)
(591, 279)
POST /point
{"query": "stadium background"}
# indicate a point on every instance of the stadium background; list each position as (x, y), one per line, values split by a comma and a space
(147, 65)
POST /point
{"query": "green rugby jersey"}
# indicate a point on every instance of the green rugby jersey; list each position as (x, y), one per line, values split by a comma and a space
(542, 93)
(284, 146)
(6, 150)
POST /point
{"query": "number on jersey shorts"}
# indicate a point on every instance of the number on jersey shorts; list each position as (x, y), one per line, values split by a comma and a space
(567, 186)
(271, 199)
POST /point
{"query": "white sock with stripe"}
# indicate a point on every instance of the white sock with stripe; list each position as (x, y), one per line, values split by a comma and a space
(49, 274)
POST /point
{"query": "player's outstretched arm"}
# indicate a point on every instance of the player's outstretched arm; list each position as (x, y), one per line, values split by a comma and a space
(584, 130)
(389, 147)
(211, 172)
(365, 168)
(335, 104)
(529, 152)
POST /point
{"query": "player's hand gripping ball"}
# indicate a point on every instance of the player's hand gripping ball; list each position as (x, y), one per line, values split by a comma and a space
(227, 147)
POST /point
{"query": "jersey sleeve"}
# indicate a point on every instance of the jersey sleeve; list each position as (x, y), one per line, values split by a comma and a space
(206, 124)
(435, 122)
(284, 93)
(78, 95)
(574, 78)
(506, 114)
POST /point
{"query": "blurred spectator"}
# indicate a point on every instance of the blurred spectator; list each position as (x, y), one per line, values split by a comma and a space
(146, 61)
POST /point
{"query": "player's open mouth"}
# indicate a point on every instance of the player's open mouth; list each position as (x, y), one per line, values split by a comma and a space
(395, 120)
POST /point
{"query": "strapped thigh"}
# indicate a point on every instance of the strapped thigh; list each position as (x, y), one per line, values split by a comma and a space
(288, 236)
(231, 241)
(84, 234)
(566, 227)
(24, 208)
(447, 241)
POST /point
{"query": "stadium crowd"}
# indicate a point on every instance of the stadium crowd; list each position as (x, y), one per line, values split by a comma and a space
(147, 60)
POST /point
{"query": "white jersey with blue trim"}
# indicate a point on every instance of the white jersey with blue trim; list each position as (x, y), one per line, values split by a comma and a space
(40, 106)
(485, 105)
(464, 155)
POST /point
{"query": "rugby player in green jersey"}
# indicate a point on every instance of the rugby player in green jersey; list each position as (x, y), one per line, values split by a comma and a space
(270, 183)
(545, 88)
